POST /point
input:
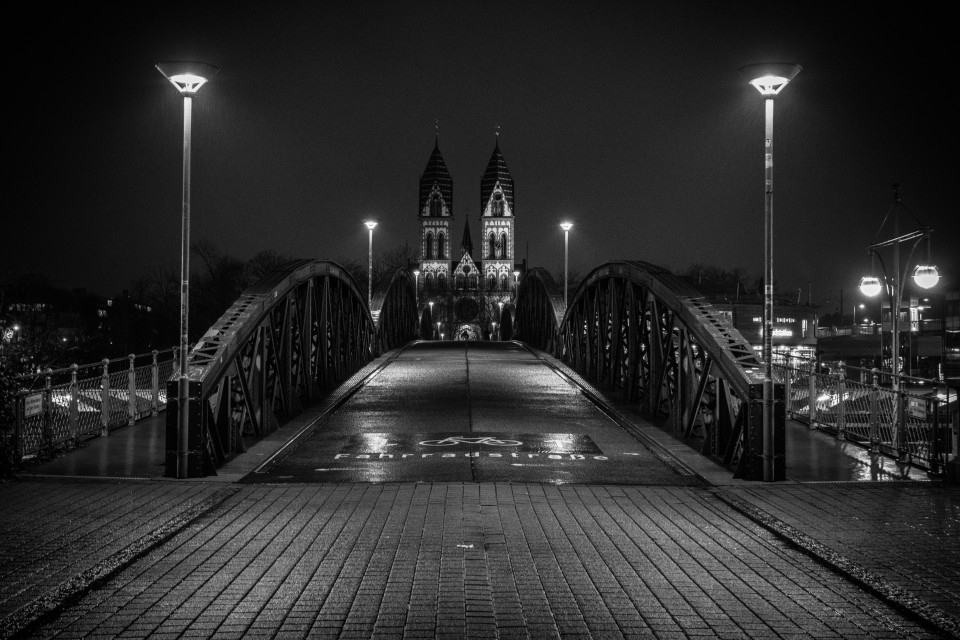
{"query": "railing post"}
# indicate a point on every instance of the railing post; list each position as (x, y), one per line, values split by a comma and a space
(48, 410)
(154, 386)
(875, 413)
(812, 397)
(900, 437)
(841, 409)
(787, 387)
(105, 399)
(131, 392)
(74, 403)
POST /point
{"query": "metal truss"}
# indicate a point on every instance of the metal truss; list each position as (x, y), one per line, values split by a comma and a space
(397, 312)
(634, 328)
(300, 331)
(539, 309)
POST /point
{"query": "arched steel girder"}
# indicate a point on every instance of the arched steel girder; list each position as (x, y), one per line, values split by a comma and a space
(303, 329)
(539, 309)
(397, 312)
(636, 328)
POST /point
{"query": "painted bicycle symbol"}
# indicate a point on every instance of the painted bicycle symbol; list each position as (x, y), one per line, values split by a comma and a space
(452, 440)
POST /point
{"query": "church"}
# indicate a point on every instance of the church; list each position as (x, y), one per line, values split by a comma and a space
(467, 293)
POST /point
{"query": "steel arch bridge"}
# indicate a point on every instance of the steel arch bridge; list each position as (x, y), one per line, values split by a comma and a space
(302, 330)
(636, 329)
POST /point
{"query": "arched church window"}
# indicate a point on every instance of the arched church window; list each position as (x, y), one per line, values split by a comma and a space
(441, 246)
(436, 206)
(429, 245)
(428, 281)
(472, 281)
(491, 282)
(503, 245)
(503, 281)
(442, 281)
(491, 246)
(460, 281)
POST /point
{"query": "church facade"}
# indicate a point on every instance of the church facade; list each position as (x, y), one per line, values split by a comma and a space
(467, 292)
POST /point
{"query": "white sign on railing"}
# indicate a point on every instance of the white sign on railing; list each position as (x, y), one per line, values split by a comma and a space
(33, 404)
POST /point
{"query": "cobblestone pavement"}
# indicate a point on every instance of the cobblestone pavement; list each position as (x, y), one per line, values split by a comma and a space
(457, 560)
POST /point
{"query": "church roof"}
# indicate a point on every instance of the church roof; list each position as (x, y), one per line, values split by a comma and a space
(436, 173)
(497, 171)
(466, 245)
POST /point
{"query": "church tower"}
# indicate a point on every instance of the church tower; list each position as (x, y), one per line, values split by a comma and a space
(436, 215)
(498, 247)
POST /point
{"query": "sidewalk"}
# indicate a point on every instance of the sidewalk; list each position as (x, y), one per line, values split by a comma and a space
(138, 555)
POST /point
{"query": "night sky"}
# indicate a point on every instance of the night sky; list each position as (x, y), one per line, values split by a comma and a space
(628, 119)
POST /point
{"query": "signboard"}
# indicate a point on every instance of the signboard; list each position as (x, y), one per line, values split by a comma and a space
(917, 408)
(33, 405)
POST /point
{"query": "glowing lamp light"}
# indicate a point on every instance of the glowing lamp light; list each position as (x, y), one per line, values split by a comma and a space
(370, 224)
(770, 78)
(870, 286)
(926, 276)
(566, 226)
(187, 77)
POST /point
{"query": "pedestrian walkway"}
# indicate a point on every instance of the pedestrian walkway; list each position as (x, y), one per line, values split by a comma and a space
(96, 546)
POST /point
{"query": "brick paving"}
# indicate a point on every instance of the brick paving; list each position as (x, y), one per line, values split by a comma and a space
(457, 560)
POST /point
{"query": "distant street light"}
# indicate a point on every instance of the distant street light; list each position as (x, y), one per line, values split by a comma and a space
(862, 306)
(516, 279)
(370, 225)
(769, 79)
(566, 226)
(438, 330)
(416, 287)
(187, 77)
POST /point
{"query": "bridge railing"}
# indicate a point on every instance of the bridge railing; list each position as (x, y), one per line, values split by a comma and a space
(59, 407)
(917, 427)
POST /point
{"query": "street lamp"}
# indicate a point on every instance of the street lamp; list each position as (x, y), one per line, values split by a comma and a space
(494, 336)
(566, 226)
(187, 77)
(370, 225)
(769, 79)
(925, 275)
(416, 286)
(516, 279)
(862, 306)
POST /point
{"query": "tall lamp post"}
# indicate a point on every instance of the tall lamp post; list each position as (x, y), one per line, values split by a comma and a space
(566, 226)
(925, 275)
(370, 225)
(187, 77)
(769, 79)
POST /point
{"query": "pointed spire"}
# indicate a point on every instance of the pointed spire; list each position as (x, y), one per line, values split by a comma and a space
(436, 174)
(496, 171)
(466, 245)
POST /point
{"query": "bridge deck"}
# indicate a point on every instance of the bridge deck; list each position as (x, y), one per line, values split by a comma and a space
(221, 558)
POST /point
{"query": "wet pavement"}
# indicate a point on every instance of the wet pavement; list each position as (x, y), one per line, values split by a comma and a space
(665, 545)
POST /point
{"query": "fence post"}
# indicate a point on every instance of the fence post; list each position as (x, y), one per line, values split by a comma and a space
(154, 386)
(812, 393)
(900, 438)
(131, 392)
(105, 399)
(841, 409)
(875, 413)
(48, 411)
(787, 392)
(74, 403)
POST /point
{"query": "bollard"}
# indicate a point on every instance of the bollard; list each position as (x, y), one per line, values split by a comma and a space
(105, 399)
(131, 392)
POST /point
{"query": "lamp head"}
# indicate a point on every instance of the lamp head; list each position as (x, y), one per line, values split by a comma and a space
(566, 226)
(926, 276)
(870, 285)
(186, 76)
(416, 272)
(370, 224)
(770, 77)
